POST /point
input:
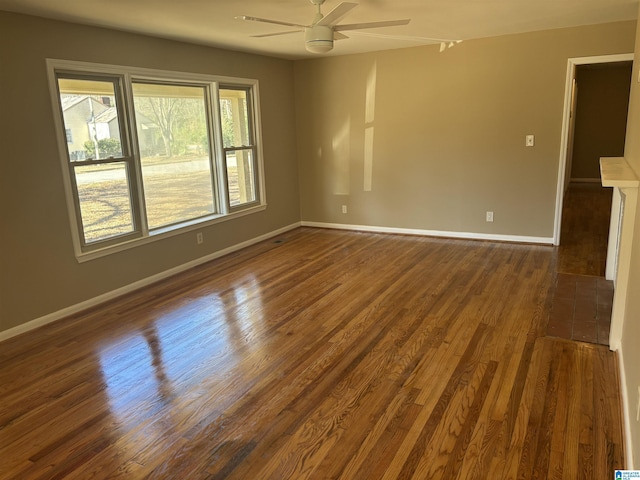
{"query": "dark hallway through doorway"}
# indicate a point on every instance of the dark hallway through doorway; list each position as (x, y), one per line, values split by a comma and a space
(585, 229)
(582, 300)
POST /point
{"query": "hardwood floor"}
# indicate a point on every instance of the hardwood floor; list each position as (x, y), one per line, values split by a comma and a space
(581, 309)
(585, 229)
(329, 355)
(583, 298)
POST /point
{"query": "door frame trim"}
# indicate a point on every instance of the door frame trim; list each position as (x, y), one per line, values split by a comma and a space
(572, 63)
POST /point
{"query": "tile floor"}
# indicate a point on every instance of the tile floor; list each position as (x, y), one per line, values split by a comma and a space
(581, 309)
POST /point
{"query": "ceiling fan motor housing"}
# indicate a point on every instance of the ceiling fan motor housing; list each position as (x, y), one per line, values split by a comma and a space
(318, 38)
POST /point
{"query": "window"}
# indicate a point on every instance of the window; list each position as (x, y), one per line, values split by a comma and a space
(148, 154)
(173, 136)
(239, 146)
(99, 171)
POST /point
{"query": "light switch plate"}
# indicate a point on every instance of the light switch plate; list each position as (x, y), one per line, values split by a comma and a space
(530, 140)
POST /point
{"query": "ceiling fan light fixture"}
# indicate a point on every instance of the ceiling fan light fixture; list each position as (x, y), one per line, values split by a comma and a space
(318, 39)
(319, 46)
(324, 29)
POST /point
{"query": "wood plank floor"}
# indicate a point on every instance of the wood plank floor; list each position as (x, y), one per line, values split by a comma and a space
(583, 298)
(584, 235)
(581, 309)
(329, 355)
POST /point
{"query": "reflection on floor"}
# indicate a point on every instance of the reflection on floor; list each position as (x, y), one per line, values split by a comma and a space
(581, 308)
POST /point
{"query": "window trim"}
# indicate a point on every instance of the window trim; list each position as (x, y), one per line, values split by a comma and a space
(251, 147)
(126, 158)
(129, 75)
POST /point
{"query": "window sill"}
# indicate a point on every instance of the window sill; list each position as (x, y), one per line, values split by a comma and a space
(166, 233)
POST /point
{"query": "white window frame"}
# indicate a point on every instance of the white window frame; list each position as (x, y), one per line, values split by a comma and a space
(220, 191)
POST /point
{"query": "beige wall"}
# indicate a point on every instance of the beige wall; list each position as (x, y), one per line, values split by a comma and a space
(631, 329)
(39, 273)
(448, 145)
(449, 131)
(601, 116)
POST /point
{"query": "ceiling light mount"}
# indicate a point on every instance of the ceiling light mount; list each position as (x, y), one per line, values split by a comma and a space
(318, 39)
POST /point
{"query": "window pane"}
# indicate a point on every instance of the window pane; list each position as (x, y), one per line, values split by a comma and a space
(235, 118)
(173, 135)
(240, 176)
(90, 117)
(103, 194)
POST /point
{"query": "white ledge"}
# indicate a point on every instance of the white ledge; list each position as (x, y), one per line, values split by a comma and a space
(616, 172)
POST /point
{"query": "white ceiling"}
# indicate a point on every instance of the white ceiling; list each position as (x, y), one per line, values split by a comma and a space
(212, 22)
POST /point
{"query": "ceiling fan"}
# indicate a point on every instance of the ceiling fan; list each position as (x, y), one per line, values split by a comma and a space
(324, 29)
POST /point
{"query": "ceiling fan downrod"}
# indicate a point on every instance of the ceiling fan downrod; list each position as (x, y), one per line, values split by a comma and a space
(318, 38)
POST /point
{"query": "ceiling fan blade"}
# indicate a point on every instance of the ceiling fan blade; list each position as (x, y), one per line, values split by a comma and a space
(337, 13)
(276, 34)
(359, 26)
(339, 36)
(266, 20)
(444, 42)
(407, 37)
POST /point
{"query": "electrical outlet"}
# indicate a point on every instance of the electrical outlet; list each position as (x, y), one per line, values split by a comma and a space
(489, 216)
(530, 140)
(199, 238)
(344, 209)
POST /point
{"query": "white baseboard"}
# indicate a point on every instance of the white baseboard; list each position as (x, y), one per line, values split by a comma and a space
(626, 412)
(92, 302)
(434, 233)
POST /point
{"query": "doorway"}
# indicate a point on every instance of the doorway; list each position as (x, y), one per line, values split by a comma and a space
(596, 109)
(568, 126)
(600, 100)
